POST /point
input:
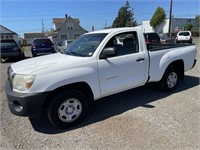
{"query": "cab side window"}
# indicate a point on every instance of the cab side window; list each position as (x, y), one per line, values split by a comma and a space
(124, 43)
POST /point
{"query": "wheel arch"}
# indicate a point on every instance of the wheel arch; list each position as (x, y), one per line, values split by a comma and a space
(79, 86)
(179, 64)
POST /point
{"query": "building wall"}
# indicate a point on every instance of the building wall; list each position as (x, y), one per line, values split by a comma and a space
(146, 27)
(30, 36)
(8, 34)
(164, 27)
(69, 30)
(181, 23)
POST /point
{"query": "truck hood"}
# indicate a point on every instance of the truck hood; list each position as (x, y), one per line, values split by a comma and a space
(31, 65)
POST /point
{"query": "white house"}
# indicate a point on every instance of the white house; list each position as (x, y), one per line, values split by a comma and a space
(66, 29)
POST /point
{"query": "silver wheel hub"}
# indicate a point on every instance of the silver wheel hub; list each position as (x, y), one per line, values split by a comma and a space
(172, 80)
(70, 110)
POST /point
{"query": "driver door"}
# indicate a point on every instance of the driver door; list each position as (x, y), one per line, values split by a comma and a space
(125, 70)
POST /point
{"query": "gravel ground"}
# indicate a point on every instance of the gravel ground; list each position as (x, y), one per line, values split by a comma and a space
(142, 118)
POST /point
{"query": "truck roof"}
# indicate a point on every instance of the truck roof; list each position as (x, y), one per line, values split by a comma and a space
(113, 30)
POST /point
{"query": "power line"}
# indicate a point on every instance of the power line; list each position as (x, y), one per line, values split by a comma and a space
(54, 15)
(21, 20)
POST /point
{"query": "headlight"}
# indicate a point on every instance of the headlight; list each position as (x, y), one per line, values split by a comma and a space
(22, 82)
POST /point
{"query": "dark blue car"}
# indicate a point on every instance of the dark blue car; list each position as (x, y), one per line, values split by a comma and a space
(42, 46)
(10, 49)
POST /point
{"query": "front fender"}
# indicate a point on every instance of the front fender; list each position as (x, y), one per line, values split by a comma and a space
(54, 80)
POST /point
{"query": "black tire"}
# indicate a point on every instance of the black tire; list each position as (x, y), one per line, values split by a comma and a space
(34, 54)
(65, 101)
(170, 79)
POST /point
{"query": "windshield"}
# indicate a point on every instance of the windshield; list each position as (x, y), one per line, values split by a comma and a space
(8, 43)
(184, 33)
(43, 41)
(86, 45)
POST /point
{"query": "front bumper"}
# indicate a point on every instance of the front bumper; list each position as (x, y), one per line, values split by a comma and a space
(24, 104)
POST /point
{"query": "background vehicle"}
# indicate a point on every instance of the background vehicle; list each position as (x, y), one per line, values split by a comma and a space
(62, 45)
(65, 44)
(165, 40)
(42, 46)
(97, 64)
(10, 49)
(184, 37)
(151, 38)
(58, 46)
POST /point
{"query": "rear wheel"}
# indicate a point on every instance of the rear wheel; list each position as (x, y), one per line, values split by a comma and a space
(34, 54)
(67, 109)
(170, 79)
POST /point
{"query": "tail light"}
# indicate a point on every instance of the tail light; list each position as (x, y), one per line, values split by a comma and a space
(33, 46)
(147, 39)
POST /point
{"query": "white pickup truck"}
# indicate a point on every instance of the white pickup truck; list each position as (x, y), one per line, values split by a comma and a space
(96, 65)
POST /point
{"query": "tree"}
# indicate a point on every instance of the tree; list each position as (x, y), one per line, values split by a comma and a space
(188, 27)
(158, 17)
(125, 17)
(197, 23)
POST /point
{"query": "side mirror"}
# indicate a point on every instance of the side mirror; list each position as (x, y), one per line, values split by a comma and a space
(108, 52)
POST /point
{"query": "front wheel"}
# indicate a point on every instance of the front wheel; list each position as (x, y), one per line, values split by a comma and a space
(67, 109)
(170, 79)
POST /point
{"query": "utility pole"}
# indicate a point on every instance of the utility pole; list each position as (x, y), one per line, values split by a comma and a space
(170, 19)
(42, 26)
(105, 24)
(132, 17)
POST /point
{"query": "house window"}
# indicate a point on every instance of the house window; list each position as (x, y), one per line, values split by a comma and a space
(63, 37)
(8, 36)
(2, 36)
(54, 36)
(69, 26)
(76, 35)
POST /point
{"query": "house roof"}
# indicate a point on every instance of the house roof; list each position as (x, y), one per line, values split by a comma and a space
(8, 29)
(61, 20)
(66, 19)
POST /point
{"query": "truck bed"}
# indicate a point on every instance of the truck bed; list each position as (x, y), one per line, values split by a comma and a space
(157, 47)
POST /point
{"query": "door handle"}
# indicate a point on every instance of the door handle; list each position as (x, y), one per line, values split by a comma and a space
(140, 59)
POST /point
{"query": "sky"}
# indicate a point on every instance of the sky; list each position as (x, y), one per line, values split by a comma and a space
(25, 16)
